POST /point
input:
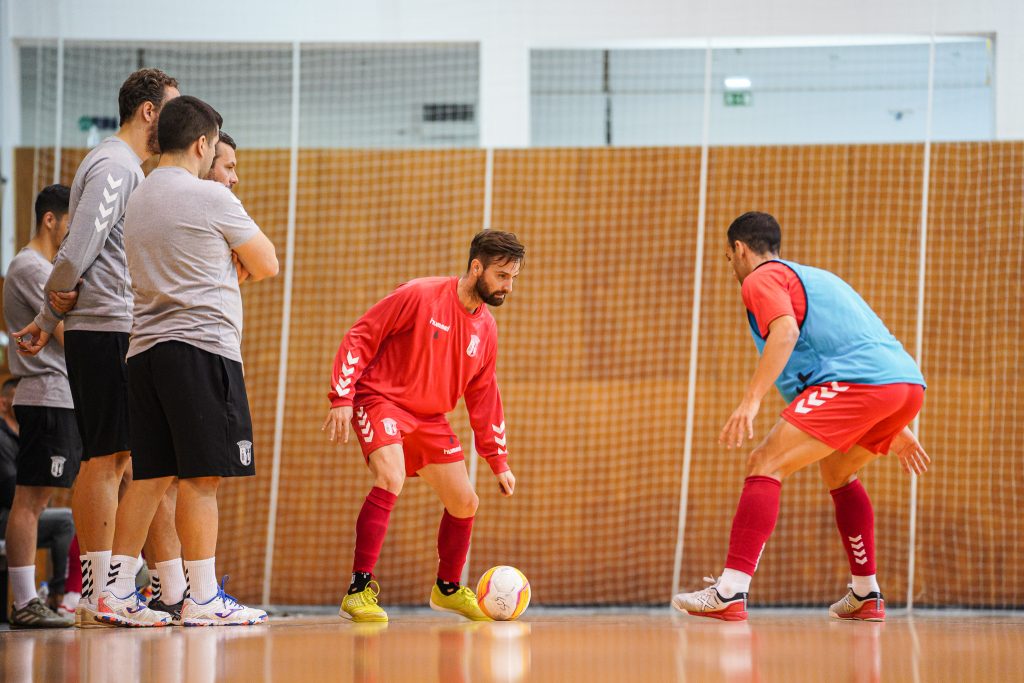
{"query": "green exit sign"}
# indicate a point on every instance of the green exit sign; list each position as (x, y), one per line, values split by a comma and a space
(738, 98)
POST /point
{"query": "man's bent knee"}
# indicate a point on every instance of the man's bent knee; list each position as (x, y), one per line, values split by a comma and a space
(32, 498)
(761, 464)
(836, 479)
(464, 505)
(389, 479)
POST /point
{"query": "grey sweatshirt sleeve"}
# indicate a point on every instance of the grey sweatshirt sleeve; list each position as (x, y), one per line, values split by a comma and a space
(108, 184)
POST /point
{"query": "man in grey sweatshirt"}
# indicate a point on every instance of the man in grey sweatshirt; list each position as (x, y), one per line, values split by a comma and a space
(96, 325)
(190, 243)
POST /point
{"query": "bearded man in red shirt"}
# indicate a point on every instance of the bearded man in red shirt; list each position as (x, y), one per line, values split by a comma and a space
(402, 366)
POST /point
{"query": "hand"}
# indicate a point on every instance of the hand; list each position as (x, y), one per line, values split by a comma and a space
(338, 423)
(63, 302)
(506, 483)
(240, 270)
(31, 339)
(911, 454)
(740, 423)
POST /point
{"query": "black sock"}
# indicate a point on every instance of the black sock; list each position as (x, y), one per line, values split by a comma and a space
(359, 582)
(448, 587)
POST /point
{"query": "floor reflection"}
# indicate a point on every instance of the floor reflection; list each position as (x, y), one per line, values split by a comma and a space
(551, 645)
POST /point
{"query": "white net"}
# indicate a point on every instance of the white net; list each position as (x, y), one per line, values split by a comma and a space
(596, 341)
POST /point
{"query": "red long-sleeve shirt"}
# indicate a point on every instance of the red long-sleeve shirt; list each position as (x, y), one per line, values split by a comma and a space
(421, 350)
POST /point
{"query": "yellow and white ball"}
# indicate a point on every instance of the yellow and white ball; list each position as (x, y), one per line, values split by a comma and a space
(503, 593)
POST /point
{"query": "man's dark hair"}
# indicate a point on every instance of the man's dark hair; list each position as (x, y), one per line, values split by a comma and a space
(145, 85)
(52, 199)
(759, 231)
(183, 121)
(8, 386)
(228, 140)
(495, 245)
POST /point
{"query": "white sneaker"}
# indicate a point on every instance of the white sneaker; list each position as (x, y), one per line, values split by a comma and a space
(85, 615)
(871, 607)
(710, 603)
(68, 605)
(220, 610)
(129, 611)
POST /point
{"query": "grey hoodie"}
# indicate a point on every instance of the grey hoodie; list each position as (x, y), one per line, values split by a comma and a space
(94, 247)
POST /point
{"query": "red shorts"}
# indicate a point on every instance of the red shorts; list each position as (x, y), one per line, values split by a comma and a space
(424, 440)
(842, 415)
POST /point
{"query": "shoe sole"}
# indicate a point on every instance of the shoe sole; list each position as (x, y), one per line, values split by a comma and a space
(853, 617)
(115, 620)
(437, 608)
(26, 627)
(199, 623)
(363, 620)
(721, 616)
(86, 623)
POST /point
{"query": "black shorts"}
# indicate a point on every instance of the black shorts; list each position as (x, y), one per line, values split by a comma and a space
(49, 448)
(99, 387)
(190, 414)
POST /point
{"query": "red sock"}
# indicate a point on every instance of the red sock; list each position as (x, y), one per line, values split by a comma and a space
(453, 546)
(753, 523)
(371, 527)
(74, 582)
(856, 521)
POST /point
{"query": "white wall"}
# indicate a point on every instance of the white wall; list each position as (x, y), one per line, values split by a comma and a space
(507, 29)
(351, 96)
(800, 95)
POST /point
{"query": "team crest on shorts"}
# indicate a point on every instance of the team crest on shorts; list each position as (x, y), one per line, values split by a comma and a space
(390, 426)
(245, 453)
(57, 465)
(474, 344)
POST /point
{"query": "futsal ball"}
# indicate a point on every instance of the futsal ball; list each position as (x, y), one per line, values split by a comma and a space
(503, 593)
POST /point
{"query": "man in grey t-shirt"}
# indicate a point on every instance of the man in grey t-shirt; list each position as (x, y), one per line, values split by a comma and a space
(97, 324)
(189, 409)
(49, 448)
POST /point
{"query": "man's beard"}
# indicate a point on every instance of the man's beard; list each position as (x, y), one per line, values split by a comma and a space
(489, 298)
(153, 141)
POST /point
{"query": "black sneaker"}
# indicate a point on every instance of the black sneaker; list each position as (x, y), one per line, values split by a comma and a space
(174, 610)
(37, 615)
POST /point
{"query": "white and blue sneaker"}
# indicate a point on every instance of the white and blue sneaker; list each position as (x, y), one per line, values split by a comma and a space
(220, 610)
(128, 611)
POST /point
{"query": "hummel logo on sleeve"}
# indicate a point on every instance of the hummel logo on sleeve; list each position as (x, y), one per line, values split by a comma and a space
(109, 202)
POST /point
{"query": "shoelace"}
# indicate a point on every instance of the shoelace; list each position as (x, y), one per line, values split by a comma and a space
(708, 596)
(229, 600)
(374, 591)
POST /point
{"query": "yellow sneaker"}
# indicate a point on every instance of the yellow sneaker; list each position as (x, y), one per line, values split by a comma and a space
(363, 606)
(462, 601)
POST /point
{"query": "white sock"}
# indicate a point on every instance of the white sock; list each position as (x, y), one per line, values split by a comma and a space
(202, 580)
(23, 584)
(172, 580)
(733, 582)
(121, 576)
(99, 565)
(862, 585)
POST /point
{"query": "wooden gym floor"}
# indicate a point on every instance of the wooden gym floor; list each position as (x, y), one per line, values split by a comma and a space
(546, 645)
